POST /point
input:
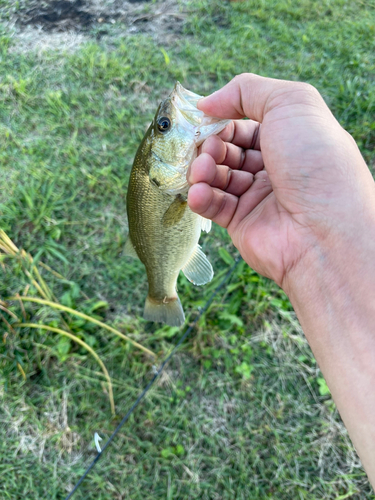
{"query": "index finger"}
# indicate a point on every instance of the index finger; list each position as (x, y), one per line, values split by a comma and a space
(242, 133)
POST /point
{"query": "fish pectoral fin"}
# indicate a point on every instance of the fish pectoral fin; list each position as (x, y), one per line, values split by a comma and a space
(174, 212)
(198, 268)
(129, 249)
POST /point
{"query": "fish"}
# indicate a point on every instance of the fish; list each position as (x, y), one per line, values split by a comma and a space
(163, 231)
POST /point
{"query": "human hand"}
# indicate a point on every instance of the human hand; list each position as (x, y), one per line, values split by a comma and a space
(298, 201)
(286, 181)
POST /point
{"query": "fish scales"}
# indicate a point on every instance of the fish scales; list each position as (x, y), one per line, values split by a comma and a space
(163, 231)
(162, 249)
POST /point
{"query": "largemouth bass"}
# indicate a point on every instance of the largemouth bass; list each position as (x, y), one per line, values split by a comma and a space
(163, 231)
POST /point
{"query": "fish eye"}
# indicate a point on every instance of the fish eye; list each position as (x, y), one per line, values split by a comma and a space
(164, 124)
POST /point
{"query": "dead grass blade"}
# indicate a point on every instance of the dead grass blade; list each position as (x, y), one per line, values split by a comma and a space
(7, 244)
(3, 308)
(83, 344)
(8, 325)
(48, 297)
(60, 307)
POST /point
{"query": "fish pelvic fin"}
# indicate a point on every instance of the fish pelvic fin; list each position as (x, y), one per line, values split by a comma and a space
(168, 311)
(206, 225)
(198, 268)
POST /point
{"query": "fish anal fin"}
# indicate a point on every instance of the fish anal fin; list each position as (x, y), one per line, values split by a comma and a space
(129, 249)
(168, 311)
(174, 212)
(198, 268)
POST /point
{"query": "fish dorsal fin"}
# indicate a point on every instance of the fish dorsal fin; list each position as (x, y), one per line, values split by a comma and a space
(129, 250)
(198, 269)
(206, 225)
(174, 212)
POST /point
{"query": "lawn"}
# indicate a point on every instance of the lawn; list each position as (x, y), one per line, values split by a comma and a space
(242, 410)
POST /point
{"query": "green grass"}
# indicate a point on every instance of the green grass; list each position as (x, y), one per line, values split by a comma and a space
(242, 411)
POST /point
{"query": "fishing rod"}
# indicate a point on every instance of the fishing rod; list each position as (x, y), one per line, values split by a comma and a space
(152, 381)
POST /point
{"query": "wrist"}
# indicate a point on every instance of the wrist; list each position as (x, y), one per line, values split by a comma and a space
(336, 278)
(332, 290)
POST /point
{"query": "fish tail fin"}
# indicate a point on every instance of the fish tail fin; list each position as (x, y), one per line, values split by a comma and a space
(167, 311)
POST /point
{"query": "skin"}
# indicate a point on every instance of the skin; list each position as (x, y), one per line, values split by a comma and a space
(298, 201)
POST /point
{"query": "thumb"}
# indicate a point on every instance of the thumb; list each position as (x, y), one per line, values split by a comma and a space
(253, 96)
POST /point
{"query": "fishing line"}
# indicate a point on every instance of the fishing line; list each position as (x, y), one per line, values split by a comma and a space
(156, 375)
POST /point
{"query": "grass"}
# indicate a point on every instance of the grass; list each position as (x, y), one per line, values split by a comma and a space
(242, 411)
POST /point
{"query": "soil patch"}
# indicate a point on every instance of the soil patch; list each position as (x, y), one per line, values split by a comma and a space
(81, 15)
(60, 14)
(40, 25)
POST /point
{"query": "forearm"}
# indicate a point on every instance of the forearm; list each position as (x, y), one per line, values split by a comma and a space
(333, 293)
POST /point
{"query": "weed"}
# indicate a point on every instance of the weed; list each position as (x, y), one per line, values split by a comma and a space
(257, 420)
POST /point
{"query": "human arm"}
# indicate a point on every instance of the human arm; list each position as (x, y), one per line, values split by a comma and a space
(307, 221)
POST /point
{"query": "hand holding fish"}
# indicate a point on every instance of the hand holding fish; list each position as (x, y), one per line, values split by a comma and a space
(298, 200)
(282, 182)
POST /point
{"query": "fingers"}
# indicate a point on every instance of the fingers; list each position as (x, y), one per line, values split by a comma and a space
(212, 203)
(233, 156)
(259, 190)
(247, 161)
(224, 208)
(253, 96)
(214, 147)
(242, 133)
(204, 169)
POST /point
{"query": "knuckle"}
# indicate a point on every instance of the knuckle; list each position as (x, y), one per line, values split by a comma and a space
(310, 93)
(295, 93)
(307, 87)
(244, 76)
(221, 205)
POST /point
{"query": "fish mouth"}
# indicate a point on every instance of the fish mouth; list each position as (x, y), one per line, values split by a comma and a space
(185, 103)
